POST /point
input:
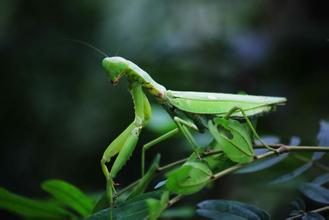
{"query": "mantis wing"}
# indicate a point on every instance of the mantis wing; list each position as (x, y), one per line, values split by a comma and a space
(221, 103)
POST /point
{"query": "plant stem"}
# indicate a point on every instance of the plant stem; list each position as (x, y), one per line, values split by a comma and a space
(203, 155)
(307, 148)
(280, 149)
(174, 200)
(322, 209)
(292, 148)
(302, 158)
(167, 166)
(131, 185)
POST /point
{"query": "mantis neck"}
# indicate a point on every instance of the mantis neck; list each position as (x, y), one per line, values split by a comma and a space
(136, 74)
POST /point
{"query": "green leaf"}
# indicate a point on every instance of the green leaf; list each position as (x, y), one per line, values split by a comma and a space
(30, 208)
(146, 179)
(320, 180)
(227, 210)
(70, 196)
(179, 212)
(234, 139)
(189, 178)
(131, 210)
(218, 162)
(156, 207)
(289, 176)
(315, 192)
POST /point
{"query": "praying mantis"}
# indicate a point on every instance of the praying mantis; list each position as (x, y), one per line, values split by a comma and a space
(191, 111)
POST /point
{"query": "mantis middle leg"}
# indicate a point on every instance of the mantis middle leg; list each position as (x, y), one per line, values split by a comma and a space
(150, 144)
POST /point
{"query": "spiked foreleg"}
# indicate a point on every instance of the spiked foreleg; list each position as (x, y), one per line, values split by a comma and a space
(126, 142)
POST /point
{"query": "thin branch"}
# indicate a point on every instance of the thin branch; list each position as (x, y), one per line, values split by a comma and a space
(323, 209)
(174, 200)
(131, 185)
(306, 148)
(280, 150)
(298, 157)
(167, 166)
(203, 155)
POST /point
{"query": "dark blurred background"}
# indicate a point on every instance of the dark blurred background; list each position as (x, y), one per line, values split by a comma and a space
(59, 112)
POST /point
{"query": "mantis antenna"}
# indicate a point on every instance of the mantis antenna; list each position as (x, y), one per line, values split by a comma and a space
(88, 45)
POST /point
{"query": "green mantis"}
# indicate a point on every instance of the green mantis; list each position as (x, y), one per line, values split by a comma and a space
(217, 113)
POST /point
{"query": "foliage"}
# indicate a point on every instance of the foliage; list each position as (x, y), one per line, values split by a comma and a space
(136, 208)
(195, 173)
(234, 140)
(65, 199)
(224, 209)
(69, 196)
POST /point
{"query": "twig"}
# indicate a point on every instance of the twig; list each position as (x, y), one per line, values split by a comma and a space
(323, 209)
(203, 155)
(131, 185)
(280, 150)
(169, 165)
(174, 200)
(305, 148)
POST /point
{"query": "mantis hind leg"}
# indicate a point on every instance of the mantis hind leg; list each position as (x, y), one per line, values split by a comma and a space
(250, 125)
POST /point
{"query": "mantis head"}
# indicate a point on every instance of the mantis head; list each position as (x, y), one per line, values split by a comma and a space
(115, 67)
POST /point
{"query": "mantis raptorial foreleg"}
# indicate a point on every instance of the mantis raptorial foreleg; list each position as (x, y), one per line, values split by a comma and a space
(236, 109)
(150, 144)
(126, 142)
